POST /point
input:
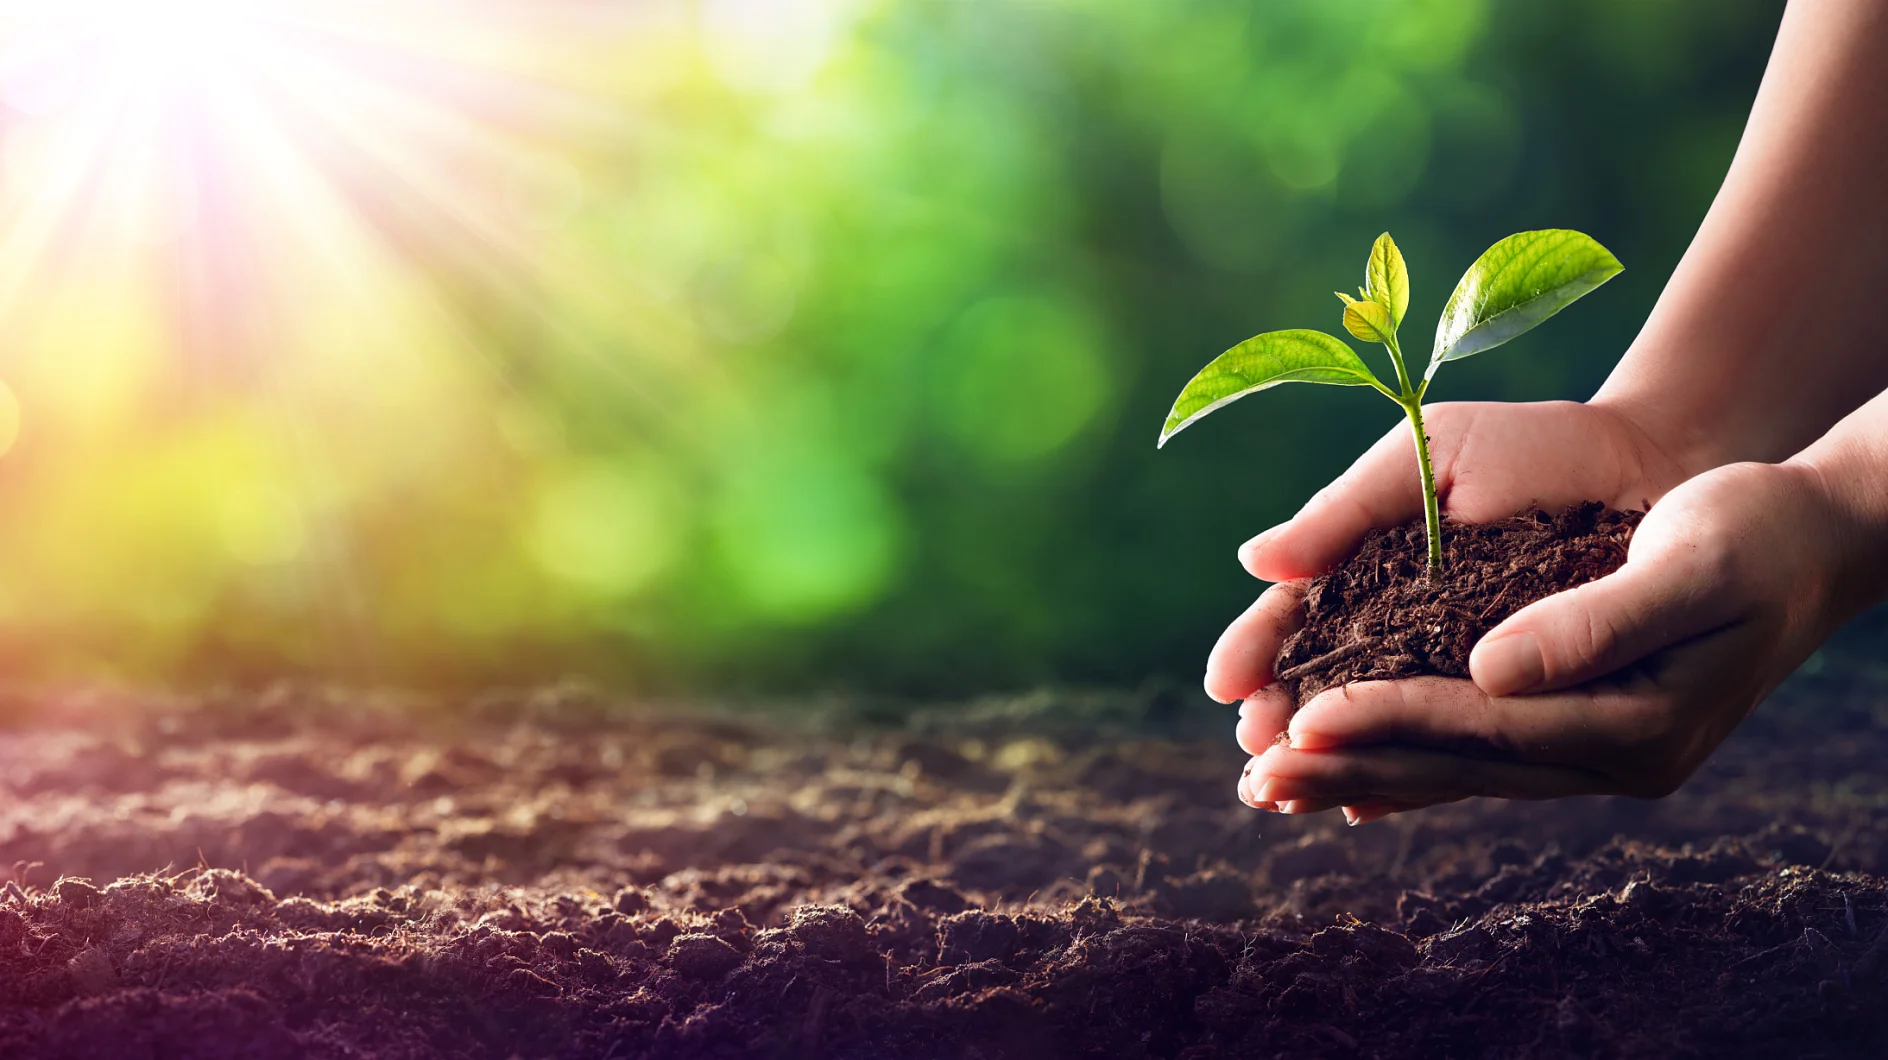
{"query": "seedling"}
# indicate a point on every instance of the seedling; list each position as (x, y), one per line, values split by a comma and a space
(1514, 285)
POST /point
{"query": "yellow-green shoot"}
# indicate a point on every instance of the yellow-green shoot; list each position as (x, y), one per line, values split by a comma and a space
(1514, 285)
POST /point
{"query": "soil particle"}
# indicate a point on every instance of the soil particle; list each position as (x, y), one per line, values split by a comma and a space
(703, 956)
(1380, 615)
(91, 971)
(831, 933)
(79, 894)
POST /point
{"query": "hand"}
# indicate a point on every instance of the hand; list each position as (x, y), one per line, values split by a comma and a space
(1491, 460)
(1620, 686)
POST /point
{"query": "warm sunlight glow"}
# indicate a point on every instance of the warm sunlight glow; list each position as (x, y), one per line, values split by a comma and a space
(273, 141)
(257, 260)
(297, 292)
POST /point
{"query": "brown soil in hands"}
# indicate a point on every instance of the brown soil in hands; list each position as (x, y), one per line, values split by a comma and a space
(1380, 616)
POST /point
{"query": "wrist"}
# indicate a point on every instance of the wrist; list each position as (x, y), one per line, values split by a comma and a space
(1672, 428)
(1657, 459)
(1844, 493)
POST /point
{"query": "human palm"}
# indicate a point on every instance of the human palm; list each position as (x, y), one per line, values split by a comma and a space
(1384, 746)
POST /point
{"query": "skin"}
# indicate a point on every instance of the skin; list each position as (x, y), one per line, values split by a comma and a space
(1734, 416)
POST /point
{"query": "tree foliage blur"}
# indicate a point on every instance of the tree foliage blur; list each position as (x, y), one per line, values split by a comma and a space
(761, 343)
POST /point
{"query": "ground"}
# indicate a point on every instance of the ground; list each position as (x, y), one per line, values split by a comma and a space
(305, 873)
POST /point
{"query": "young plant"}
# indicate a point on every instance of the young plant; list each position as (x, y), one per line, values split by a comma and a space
(1514, 285)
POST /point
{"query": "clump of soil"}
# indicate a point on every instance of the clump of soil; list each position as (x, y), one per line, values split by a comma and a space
(1380, 617)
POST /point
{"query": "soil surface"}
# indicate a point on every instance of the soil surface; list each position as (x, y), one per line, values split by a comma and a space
(330, 875)
(1380, 616)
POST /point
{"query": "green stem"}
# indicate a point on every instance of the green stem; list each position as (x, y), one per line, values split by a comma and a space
(1432, 515)
(1412, 402)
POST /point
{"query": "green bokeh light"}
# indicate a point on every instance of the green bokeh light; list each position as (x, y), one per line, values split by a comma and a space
(1018, 378)
(806, 535)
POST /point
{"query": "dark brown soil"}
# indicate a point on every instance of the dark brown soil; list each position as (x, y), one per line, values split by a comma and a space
(334, 876)
(1380, 616)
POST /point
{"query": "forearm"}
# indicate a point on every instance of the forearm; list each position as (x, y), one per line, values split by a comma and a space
(1849, 470)
(1769, 330)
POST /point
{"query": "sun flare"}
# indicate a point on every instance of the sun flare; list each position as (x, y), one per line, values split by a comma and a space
(259, 260)
(260, 157)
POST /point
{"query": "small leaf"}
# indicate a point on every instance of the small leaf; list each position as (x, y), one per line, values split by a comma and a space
(1344, 298)
(1265, 361)
(1369, 321)
(1386, 279)
(1516, 284)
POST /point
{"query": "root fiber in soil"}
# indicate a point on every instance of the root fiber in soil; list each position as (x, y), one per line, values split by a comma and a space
(1380, 616)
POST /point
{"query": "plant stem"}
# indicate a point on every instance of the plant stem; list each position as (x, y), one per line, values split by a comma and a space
(1412, 402)
(1432, 515)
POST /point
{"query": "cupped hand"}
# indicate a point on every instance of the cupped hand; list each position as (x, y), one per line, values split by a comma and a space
(1491, 460)
(1620, 686)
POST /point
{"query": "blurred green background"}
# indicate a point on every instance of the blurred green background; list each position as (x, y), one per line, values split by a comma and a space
(756, 344)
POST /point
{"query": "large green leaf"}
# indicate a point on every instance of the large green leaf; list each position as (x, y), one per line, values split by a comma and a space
(1386, 278)
(1516, 284)
(1263, 361)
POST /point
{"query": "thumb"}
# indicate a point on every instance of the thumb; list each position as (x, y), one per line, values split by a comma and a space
(1590, 631)
(1381, 489)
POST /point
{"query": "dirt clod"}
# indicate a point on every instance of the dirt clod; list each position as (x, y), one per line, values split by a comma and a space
(91, 971)
(702, 956)
(831, 933)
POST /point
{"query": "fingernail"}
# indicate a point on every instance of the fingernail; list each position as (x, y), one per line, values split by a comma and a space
(1305, 740)
(1259, 541)
(1507, 665)
(1276, 790)
(1249, 552)
(1247, 795)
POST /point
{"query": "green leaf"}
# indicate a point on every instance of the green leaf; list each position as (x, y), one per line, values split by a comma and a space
(1263, 361)
(1516, 284)
(1386, 279)
(1369, 321)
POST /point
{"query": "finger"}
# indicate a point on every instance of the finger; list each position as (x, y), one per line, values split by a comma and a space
(1241, 662)
(1575, 728)
(1400, 774)
(1263, 717)
(1364, 813)
(1298, 806)
(1247, 794)
(1374, 811)
(1667, 592)
(1381, 489)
